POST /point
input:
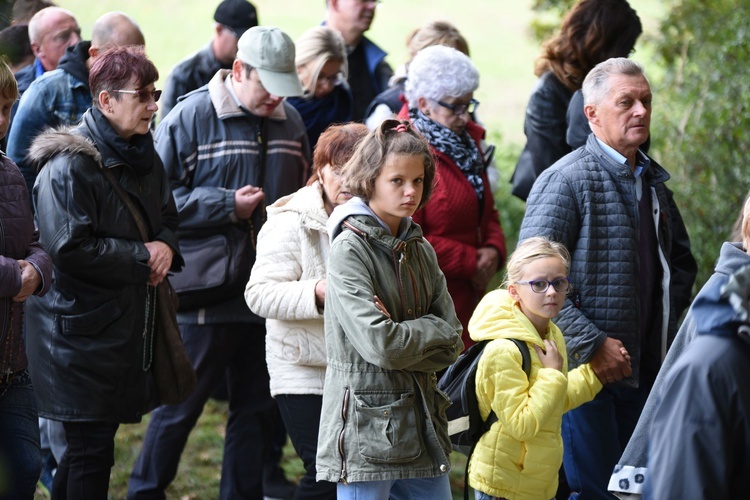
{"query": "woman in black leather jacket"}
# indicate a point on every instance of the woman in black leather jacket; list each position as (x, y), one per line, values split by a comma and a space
(91, 355)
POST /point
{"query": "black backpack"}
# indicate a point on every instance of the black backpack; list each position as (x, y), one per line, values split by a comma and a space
(465, 425)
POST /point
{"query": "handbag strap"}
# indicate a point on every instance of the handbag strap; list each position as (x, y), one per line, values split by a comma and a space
(137, 217)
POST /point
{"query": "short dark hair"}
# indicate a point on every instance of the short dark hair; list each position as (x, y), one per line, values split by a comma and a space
(336, 145)
(15, 44)
(116, 67)
(24, 10)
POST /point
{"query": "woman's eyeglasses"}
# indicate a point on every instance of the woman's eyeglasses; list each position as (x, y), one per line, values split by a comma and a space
(561, 285)
(143, 95)
(459, 109)
(332, 80)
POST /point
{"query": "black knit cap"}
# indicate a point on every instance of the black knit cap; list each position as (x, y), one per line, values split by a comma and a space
(238, 15)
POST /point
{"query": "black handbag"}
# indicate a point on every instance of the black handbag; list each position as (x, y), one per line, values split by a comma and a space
(217, 267)
(173, 372)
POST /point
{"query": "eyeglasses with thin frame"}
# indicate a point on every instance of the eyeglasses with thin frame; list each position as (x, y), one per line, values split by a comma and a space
(561, 285)
(332, 80)
(459, 109)
(143, 95)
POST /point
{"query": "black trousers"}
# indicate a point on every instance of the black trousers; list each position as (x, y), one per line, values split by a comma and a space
(83, 472)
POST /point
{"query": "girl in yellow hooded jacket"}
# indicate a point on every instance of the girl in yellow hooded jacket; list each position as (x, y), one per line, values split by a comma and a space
(519, 457)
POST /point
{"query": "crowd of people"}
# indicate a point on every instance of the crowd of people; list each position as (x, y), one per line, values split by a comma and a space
(331, 231)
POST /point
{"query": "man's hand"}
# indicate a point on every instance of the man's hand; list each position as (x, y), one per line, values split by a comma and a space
(30, 281)
(611, 362)
(159, 262)
(246, 199)
(381, 307)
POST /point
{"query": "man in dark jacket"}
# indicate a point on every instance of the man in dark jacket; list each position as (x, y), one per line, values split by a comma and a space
(700, 435)
(233, 18)
(368, 71)
(61, 97)
(632, 269)
(228, 148)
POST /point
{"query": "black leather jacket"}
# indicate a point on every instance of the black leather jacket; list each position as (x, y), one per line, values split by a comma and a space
(87, 354)
(545, 127)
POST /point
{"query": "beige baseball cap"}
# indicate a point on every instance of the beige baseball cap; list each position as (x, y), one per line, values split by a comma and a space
(271, 52)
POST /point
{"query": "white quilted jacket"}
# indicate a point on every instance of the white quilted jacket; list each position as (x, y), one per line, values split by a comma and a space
(291, 258)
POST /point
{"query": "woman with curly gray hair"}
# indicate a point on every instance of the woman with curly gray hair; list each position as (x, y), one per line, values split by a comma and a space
(460, 221)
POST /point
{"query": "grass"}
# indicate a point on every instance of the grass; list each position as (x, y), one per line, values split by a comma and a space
(497, 32)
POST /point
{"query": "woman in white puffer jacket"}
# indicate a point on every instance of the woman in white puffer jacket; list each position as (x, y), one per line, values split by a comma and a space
(287, 287)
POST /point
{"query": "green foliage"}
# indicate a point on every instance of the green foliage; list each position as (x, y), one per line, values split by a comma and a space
(549, 16)
(701, 126)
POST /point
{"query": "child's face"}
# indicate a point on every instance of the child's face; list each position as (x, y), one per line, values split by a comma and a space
(5, 104)
(540, 306)
(398, 189)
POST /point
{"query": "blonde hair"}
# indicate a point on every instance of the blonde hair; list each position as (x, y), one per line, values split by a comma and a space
(392, 137)
(437, 33)
(317, 46)
(8, 84)
(530, 250)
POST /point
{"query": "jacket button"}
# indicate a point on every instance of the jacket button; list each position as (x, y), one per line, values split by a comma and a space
(443, 468)
(577, 356)
(408, 311)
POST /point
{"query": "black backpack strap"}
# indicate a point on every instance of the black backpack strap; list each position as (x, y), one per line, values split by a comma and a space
(525, 356)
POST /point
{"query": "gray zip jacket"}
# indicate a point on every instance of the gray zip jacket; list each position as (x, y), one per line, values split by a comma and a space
(383, 417)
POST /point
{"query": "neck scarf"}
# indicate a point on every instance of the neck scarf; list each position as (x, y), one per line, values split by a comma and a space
(138, 152)
(461, 149)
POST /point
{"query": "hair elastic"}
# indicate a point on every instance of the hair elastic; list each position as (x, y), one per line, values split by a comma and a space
(400, 127)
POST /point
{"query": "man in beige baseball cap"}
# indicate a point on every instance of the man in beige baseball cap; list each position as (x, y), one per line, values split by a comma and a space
(229, 149)
(270, 52)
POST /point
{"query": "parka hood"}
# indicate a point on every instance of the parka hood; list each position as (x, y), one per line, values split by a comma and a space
(498, 308)
(356, 206)
(724, 309)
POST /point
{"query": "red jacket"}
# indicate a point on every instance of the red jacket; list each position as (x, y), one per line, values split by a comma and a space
(451, 223)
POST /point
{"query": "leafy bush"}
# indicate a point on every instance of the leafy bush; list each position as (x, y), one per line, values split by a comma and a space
(701, 120)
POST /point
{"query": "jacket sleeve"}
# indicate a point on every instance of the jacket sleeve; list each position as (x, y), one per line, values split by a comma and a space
(522, 409)
(545, 126)
(177, 145)
(428, 343)
(37, 257)
(683, 266)
(275, 289)
(583, 386)
(492, 230)
(169, 218)
(68, 204)
(457, 259)
(692, 444)
(32, 117)
(552, 211)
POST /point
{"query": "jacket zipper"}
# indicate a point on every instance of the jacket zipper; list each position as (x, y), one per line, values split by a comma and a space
(344, 407)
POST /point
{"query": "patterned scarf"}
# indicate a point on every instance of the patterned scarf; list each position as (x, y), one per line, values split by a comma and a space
(461, 149)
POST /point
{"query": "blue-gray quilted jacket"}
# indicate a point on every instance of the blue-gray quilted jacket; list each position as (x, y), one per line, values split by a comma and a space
(588, 202)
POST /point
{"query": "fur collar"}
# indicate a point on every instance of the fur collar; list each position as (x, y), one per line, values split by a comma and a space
(60, 141)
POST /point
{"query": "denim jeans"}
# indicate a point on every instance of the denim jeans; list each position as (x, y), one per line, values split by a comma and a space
(594, 436)
(20, 455)
(301, 415)
(237, 350)
(83, 472)
(432, 488)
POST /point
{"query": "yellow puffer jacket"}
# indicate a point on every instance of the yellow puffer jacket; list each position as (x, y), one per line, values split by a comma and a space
(518, 458)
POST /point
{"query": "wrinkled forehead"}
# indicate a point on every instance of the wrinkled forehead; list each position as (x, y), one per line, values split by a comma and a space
(628, 85)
